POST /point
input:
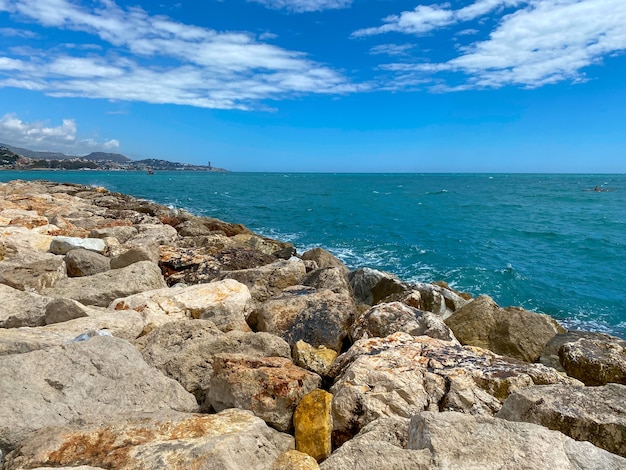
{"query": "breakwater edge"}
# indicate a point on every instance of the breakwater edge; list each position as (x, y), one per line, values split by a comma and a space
(135, 335)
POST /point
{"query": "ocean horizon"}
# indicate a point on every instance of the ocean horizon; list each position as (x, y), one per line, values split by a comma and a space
(546, 242)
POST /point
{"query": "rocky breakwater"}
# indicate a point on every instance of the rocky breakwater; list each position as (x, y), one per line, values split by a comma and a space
(134, 336)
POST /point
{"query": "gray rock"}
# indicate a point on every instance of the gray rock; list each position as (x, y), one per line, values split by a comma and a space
(461, 441)
(362, 281)
(134, 254)
(512, 332)
(61, 245)
(34, 276)
(382, 445)
(81, 262)
(100, 289)
(230, 440)
(550, 354)
(595, 361)
(401, 375)
(325, 259)
(61, 310)
(269, 280)
(270, 387)
(18, 308)
(318, 317)
(332, 278)
(94, 379)
(121, 233)
(184, 350)
(156, 234)
(385, 319)
(594, 414)
(124, 325)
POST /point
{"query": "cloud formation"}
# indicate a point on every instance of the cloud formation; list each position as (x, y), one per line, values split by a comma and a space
(301, 6)
(41, 136)
(157, 60)
(538, 43)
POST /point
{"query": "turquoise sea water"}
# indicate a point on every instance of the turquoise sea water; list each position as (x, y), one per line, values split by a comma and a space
(539, 241)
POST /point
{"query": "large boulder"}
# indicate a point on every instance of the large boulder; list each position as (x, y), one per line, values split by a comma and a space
(594, 414)
(81, 262)
(230, 440)
(363, 280)
(93, 379)
(550, 354)
(184, 350)
(318, 317)
(122, 233)
(401, 375)
(156, 234)
(135, 253)
(331, 278)
(101, 289)
(34, 276)
(458, 440)
(18, 308)
(270, 387)
(381, 445)
(325, 259)
(267, 281)
(223, 302)
(385, 319)
(595, 361)
(512, 332)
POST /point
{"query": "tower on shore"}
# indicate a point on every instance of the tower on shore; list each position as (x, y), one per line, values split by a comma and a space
(210, 168)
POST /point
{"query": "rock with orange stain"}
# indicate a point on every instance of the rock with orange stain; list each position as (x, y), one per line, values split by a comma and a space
(295, 460)
(230, 440)
(271, 387)
(184, 350)
(87, 380)
(224, 303)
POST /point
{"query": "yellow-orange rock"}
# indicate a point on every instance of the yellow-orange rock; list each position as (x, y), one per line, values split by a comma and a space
(313, 423)
(295, 460)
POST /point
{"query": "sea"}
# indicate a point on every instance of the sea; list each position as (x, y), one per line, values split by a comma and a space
(546, 242)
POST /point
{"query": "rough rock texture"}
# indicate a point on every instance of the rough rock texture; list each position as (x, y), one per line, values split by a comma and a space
(318, 317)
(124, 325)
(121, 233)
(381, 445)
(135, 254)
(325, 259)
(60, 310)
(313, 423)
(401, 375)
(318, 360)
(230, 440)
(81, 262)
(594, 414)
(269, 280)
(34, 276)
(461, 441)
(222, 302)
(184, 351)
(270, 387)
(550, 354)
(101, 289)
(19, 308)
(61, 245)
(294, 460)
(362, 280)
(595, 361)
(98, 378)
(385, 319)
(331, 278)
(155, 234)
(513, 331)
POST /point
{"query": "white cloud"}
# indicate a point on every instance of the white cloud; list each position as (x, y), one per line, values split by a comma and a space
(157, 60)
(300, 6)
(41, 136)
(392, 49)
(542, 42)
(12, 32)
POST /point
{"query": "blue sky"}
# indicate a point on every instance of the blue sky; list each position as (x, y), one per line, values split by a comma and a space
(321, 85)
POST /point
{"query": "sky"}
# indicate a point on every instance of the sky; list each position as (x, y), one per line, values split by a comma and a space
(321, 85)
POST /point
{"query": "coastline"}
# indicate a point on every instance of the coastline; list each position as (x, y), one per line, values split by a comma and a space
(362, 350)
